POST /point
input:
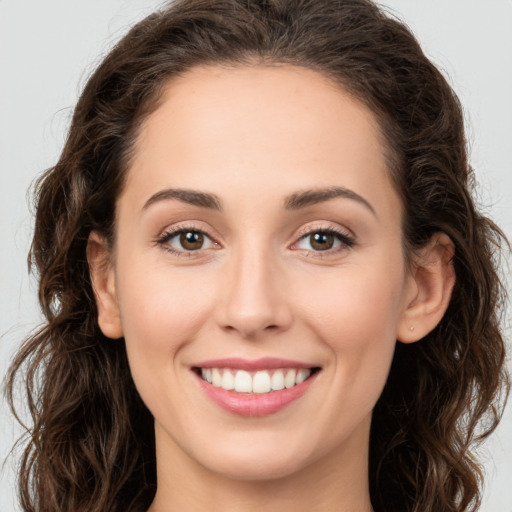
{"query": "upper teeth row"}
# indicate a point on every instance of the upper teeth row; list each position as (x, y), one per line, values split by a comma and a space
(262, 381)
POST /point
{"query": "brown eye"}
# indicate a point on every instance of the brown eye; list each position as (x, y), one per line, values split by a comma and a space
(191, 240)
(321, 241)
(324, 240)
(183, 242)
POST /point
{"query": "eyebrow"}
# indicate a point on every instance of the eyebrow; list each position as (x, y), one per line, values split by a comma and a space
(193, 197)
(312, 197)
(293, 202)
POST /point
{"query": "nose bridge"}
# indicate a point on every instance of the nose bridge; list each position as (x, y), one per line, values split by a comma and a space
(253, 296)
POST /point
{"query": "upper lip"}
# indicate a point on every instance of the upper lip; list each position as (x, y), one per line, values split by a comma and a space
(264, 363)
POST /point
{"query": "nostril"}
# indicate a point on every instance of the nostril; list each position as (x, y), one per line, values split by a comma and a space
(251, 330)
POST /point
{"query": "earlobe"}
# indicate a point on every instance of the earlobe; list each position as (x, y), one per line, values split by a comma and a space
(103, 283)
(430, 288)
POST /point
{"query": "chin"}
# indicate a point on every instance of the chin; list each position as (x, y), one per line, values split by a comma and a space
(257, 470)
(253, 461)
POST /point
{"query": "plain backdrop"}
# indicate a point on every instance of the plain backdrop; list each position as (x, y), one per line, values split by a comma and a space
(49, 47)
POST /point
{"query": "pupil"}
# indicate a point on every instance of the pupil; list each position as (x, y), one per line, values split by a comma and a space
(322, 241)
(191, 240)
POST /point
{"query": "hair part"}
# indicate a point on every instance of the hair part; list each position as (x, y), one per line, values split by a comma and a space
(91, 444)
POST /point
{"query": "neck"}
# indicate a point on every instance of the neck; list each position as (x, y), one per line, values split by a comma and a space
(337, 482)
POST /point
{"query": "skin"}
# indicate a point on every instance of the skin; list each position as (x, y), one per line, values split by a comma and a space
(254, 136)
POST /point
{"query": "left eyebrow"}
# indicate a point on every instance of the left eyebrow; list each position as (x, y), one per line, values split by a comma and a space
(315, 196)
(193, 197)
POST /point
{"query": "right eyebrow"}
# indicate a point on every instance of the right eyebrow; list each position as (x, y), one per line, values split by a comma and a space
(193, 197)
(315, 196)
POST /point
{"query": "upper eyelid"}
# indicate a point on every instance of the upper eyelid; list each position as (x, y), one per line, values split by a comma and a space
(185, 226)
(171, 233)
(324, 226)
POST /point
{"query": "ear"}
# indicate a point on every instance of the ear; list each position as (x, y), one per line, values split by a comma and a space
(103, 280)
(429, 289)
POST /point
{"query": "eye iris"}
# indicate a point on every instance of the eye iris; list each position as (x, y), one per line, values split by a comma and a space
(191, 240)
(322, 241)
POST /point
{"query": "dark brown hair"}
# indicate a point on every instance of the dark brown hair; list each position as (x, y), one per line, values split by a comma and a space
(91, 443)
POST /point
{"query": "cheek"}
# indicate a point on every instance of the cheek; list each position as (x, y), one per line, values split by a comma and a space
(355, 314)
(161, 313)
(355, 307)
(160, 308)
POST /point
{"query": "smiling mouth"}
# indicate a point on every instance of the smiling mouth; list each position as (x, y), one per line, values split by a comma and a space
(255, 382)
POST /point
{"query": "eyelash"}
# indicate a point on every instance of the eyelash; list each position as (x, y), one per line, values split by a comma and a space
(347, 241)
(171, 233)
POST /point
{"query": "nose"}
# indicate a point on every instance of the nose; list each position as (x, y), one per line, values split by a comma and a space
(253, 298)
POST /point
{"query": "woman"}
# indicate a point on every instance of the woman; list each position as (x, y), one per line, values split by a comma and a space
(256, 200)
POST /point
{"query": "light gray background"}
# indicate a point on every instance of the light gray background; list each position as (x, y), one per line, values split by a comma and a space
(49, 47)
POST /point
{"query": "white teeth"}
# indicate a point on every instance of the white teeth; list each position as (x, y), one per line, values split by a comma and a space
(302, 375)
(228, 381)
(262, 381)
(216, 377)
(243, 382)
(206, 374)
(289, 380)
(277, 380)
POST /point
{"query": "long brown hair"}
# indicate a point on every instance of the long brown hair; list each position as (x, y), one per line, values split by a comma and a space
(91, 445)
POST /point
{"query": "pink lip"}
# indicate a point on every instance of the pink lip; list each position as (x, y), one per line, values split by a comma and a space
(247, 404)
(265, 363)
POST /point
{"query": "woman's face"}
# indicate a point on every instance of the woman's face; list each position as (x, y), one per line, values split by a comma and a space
(258, 240)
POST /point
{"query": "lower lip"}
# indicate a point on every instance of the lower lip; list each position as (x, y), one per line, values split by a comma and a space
(254, 404)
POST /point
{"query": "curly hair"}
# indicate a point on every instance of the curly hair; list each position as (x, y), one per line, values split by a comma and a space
(91, 445)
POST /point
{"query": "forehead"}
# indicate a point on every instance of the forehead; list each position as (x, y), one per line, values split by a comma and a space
(214, 97)
(258, 125)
